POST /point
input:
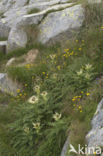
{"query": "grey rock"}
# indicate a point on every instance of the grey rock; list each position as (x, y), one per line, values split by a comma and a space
(95, 136)
(7, 85)
(59, 24)
(65, 147)
(17, 39)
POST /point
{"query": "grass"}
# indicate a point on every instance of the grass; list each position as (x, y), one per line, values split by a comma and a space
(34, 10)
(72, 91)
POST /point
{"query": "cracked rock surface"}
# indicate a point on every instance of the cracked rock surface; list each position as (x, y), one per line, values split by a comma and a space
(56, 20)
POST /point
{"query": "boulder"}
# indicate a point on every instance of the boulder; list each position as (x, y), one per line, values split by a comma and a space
(61, 25)
(57, 19)
(95, 136)
(17, 39)
(65, 147)
(7, 85)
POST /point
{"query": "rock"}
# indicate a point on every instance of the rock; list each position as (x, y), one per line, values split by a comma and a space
(3, 46)
(65, 148)
(17, 39)
(4, 29)
(7, 85)
(31, 55)
(9, 63)
(95, 136)
(60, 24)
(56, 19)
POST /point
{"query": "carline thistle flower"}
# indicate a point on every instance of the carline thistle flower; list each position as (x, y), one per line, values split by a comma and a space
(34, 99)
(88, 66)
(80, 72)
(52, 56)
(36, 126)
(56, 116)
(44, 95)
(37, 89)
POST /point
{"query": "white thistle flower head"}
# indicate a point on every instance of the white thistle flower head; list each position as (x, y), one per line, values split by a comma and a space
(56, 116)
(33, 99)
(37, 89)
(52, 56)
(87, 76)
(44, 95)
(88, 66)
(26, 130)
(54, 76)
(80, 72)
(36, 126)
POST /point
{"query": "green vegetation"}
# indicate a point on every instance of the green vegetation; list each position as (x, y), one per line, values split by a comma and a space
(34, 10)
(61, 91)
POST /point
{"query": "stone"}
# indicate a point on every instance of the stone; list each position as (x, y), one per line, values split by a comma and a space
(95, 135)
(56, 19)
(61, 24)
(17, 39)
(3, 46)
(65, 148)
(7, 85)
(10, 62)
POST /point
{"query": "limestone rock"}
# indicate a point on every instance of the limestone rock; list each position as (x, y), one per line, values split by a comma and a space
(65, 148)
(95, 136)
(7, 85)
(17, 38)
(59, 24)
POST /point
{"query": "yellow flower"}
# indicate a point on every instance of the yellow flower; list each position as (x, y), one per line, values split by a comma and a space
(73, 99)
(26, 85)
(18, 90)
(56, 116)
(87, 94)
(58, 67)
(79, 107)
(43, 73)
(77, 41)
(33, 99)
(80, 49)
(102, 27)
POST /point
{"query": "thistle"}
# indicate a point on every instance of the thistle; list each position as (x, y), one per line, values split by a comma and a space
(56, 116)
(33, 99)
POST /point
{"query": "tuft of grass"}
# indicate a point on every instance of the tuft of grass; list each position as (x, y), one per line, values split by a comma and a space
(34, 10)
